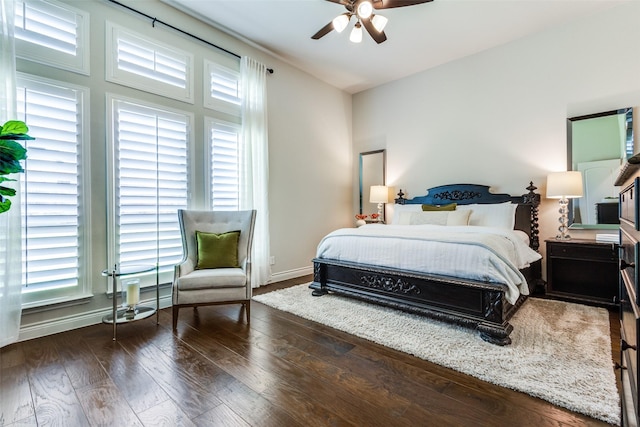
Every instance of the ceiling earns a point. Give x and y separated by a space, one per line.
419 37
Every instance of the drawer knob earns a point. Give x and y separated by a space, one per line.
626 346
624 264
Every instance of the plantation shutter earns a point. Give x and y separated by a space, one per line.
50 185
225 178
225 85
52 33
46 24
135 61
150 184
150 61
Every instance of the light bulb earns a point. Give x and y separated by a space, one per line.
356 33
379 22
340 22
365 9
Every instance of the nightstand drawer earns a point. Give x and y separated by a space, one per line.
583 271
593 252
628 202
629 333
629 250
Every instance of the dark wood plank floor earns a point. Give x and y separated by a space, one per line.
217 371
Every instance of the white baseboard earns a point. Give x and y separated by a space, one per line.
75 321
67 323
291 274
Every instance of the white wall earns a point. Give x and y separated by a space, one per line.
309 148
499 117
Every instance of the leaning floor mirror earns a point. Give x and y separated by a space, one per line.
598 145
372 171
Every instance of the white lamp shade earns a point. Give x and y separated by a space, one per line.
379 194
356 34
379 22
365 9
340 22
564 185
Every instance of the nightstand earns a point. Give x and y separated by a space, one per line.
583 271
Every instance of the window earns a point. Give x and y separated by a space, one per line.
54 257
52 33
224 155
142 64
149 163
223 84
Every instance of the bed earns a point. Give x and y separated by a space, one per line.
482 300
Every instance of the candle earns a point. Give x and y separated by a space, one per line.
133 293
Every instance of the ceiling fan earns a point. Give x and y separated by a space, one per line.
363 11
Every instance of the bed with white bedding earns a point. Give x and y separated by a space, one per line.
473 265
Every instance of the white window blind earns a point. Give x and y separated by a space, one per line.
52 33
150 153
134 61
54 264
223 84
224 168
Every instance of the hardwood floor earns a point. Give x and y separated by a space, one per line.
217 371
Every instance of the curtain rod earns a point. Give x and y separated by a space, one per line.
153 24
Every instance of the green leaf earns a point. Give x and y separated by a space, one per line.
5 205
4 178
14 127
11 153
6 191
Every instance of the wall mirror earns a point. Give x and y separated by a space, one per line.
373 171
598 145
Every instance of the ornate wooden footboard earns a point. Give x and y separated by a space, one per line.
470 303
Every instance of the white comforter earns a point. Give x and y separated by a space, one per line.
471 252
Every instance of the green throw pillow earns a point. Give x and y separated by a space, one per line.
217 250
449 207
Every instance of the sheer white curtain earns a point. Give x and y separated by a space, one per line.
254 163
10 228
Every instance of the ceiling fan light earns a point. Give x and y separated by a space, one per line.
379 22
356 33
365 9
340 22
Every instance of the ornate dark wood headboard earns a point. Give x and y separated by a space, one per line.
466 194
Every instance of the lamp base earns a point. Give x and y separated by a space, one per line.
563 220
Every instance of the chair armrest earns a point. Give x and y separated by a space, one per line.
184 268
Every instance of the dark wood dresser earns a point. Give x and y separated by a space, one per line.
583 271
629 311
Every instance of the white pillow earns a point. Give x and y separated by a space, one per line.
399 209
434 218
501 215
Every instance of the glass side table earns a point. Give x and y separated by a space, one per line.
130 310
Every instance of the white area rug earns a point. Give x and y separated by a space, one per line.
561 352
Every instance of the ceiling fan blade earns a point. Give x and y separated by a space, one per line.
342 2
323 31
378 36
388 4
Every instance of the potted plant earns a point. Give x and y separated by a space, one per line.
11 152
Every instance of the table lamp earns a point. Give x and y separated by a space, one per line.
379 194
563 186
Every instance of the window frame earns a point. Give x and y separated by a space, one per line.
217 103
78 63
114 74
209 123
83 289
146 279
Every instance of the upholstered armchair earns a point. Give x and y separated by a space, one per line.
216 267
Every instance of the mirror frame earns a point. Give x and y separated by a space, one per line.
362 178
570 121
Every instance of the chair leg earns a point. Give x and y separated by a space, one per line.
175 316
247 306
